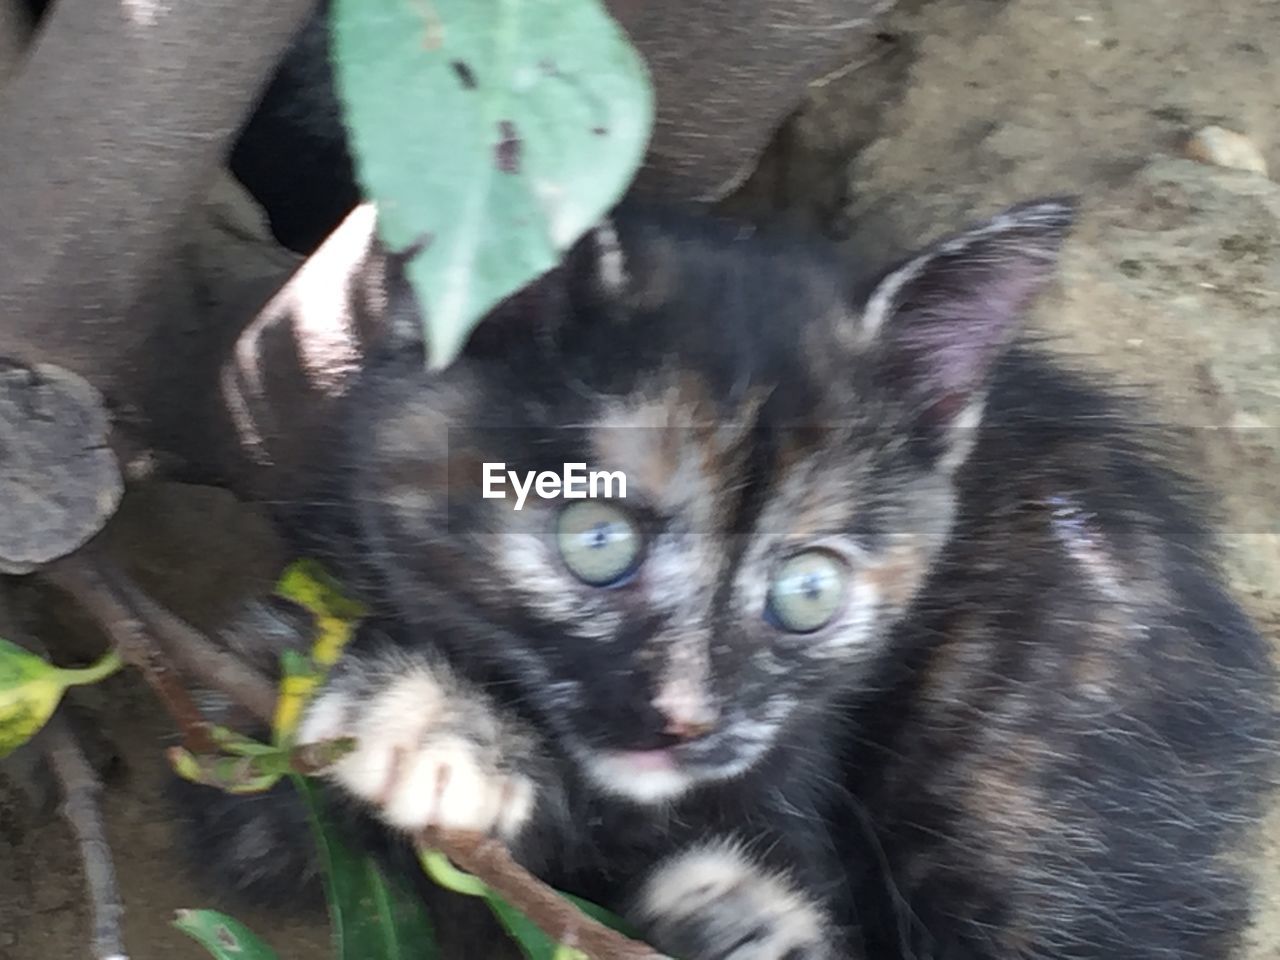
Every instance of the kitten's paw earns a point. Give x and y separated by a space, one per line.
715 903
427 754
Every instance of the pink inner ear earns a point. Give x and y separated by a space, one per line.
952 323
962 302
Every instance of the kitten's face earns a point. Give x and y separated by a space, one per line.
788 451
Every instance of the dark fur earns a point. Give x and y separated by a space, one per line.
1058 726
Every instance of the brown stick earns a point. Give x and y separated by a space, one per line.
82 577
488 860
81 807
197 655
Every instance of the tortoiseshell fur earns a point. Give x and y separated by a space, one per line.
1038 729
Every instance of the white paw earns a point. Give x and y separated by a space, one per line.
715 903
425 755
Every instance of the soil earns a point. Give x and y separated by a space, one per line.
1172 282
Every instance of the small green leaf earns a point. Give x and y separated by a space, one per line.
31 689
372 918
299 679
29 693
336 617
247 766
307 583
224 937
441 870
238 775
491 134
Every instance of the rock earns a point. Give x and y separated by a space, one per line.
60 482
726 74
1225 148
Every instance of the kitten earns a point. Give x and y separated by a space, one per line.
902 642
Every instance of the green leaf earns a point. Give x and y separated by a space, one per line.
534 942
307 583
491 134
300 677
335 615
31 689
529 937
442 871
372 918
238 775
247 766
224 937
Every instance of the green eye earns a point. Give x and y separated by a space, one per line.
598 541
807 591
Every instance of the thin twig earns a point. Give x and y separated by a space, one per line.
81 808
488 860
84 578
197 655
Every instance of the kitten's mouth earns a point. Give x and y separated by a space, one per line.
650 776
659 775
646 761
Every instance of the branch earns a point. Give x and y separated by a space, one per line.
198 656
727 73
119 118
92 585
489 861
81 808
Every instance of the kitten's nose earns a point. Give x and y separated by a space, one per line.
685 717
688 729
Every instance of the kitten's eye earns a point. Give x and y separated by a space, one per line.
599 542
807 591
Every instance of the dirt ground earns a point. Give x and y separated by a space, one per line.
1172 281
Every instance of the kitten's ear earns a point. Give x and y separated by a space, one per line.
634 259
597 267
937 323
591 272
